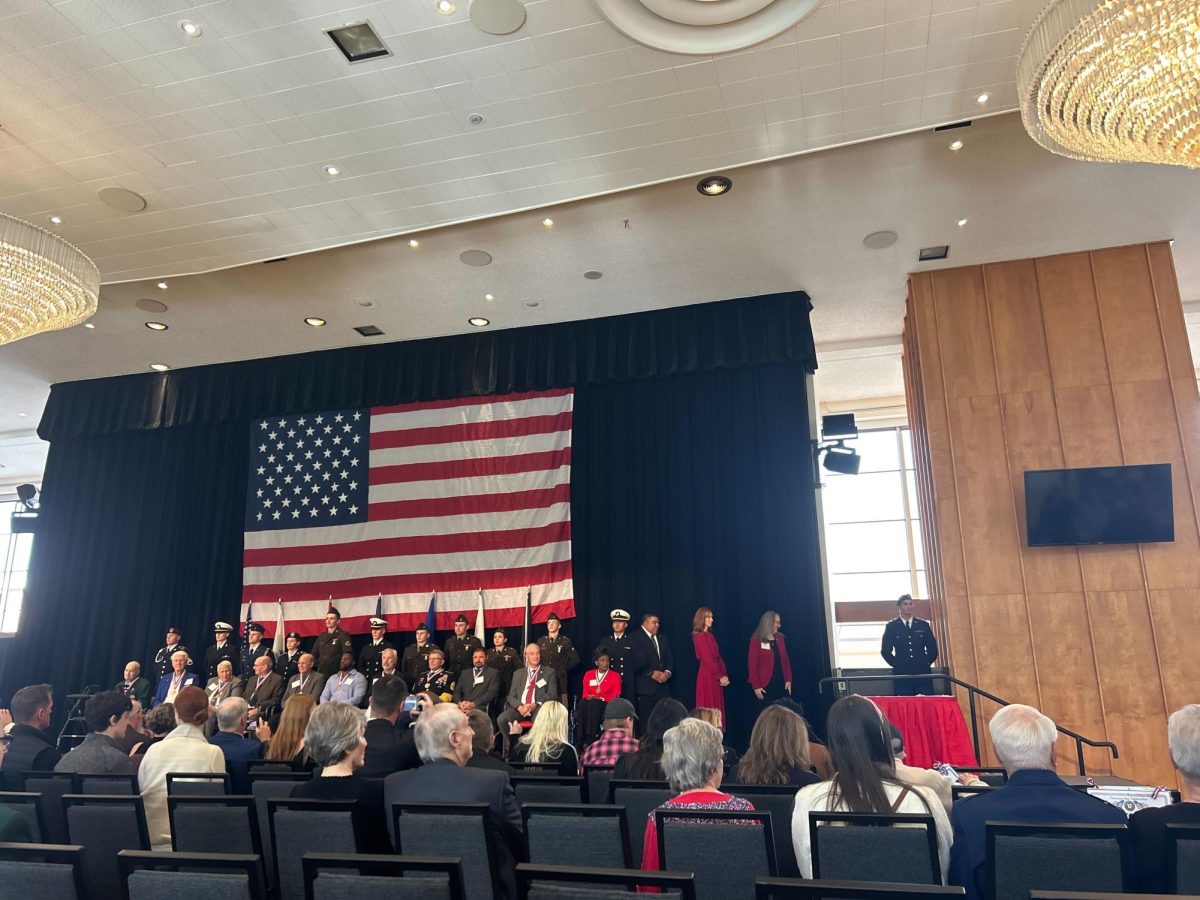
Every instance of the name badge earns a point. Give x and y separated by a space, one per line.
479 679
765 645
296 683
595 682
541 682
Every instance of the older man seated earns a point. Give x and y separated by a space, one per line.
134 686
107 716
1149 826
1024 739
176 679
239 751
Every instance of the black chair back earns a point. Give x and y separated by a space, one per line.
44 870
780 802
29 805
307 826
104 825
535 882
549 789
1094 895
725 849
533 768
423 829
963 791
163 876
1183 859
996 776
51 786
87 783
809 889
901 847
1027 856
197 784
597 778
639 798
263 787
331 876
225 824
585 834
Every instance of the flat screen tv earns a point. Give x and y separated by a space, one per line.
1107 505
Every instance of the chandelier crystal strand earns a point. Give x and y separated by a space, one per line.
45 283
1114 80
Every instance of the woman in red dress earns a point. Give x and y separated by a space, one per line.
711 677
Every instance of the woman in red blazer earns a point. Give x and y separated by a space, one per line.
601 686
768 664
711 676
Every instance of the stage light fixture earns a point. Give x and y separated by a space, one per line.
840 426
842 460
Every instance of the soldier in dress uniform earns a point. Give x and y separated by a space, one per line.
460 647
329 646
558 653
910 648
619 647
437 680
370 658
223 648
254 648
162 659
288 663
503 659
415 662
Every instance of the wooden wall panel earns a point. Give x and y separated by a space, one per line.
1129 315
1018 340
1071 320
964 335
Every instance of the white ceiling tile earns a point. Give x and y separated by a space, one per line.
746 92
900 10
828 126
820 52
868 42
776 87
741 117
857 120
906 88
902 113
904 62
856 14
907 34
786 109
995 45
741 66
824 21
940 107
999 16
952 26
822 78
696 76
954 53
945 81
822 104
861 71
787 135
861 95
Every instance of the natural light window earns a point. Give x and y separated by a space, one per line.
14 566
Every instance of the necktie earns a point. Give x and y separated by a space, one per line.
654 638
530 685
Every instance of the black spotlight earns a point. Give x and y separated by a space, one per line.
842 460
714 185
27 494
839 427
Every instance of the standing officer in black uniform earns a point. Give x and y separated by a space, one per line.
288 663
370 658
619 647
910 648
460 648
224 648
253 649
503 659
162 659
329 646
559 654
416 656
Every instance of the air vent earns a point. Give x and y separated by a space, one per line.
953 125
358 42
931 253
369 330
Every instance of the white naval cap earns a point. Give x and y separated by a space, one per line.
619 615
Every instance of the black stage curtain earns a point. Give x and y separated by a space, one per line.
691 486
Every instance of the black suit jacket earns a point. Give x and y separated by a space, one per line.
909 650
481 694
268 697
646 660
388 750
442 781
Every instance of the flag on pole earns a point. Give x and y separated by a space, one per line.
480 632
525 638
379 607
280 644
249 619
431 616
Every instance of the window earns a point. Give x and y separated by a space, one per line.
872 540
14 566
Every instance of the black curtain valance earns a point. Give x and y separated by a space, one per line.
705 337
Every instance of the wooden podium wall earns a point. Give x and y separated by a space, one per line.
1063 361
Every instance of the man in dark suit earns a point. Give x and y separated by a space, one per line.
388 750
478 685
134 686
652 663
263 690
239 751
444 742
910 648
1024 740
305 681
531 687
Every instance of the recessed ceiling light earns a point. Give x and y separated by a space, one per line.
88 325
983 98
314 321
962 223
157 326
549 223
190 28
56 220
159 367
332 170
533 304
162 285
22 415
446 7
474 119
488 297
478 321
358 42
714 185
593 275
956 145
414 243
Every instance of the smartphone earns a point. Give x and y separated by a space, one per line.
252 725
947 770
410 703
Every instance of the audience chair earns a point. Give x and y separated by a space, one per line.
725 849
263 787
807 889
331 876
996 776
963 791
1027 856
866 847
586 834
160 876
51 786
597 778
226 824
104 825
639 798
779 801
105 784
193 784
1183 859
29 805
571 883
256 766
549 789
44 870
1093 895
307 826
426 829
532 768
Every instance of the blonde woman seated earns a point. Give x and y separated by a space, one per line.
547 742
864 780
778 752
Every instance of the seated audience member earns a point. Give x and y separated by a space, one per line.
30 749
263 691
306 680
936 781
601 686
444 741
287 741
864 780
159 722
107 717
220 687
714 718
1149 826
135 729
347 685
183 749
389 662
176 679
817 754
334 738
437 680
388 750
134 686
238 750
1023 739
482 756
547 741
645 762
778 752
531 686
617 738
692 760
478 686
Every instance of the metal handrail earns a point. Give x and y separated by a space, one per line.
972 690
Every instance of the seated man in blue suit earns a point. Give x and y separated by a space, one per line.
238 749
1024 740
176 679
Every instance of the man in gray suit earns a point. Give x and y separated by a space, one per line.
531 687
220 688
443 740
478 684
305 681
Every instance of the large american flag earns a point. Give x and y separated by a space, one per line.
446 498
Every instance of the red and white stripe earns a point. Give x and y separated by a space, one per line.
464 495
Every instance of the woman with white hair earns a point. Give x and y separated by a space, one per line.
693 755
546 741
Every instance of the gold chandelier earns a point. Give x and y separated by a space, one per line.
45 283
1114 80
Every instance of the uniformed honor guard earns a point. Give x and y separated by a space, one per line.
558 653
503 659
162 659
460 647
329 646
910 648
437 680
619 647
415 661
288 663
254 648
370 658
223 648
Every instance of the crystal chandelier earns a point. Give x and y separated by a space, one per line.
1114 80
45 283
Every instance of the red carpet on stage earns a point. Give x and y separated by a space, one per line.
933 729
